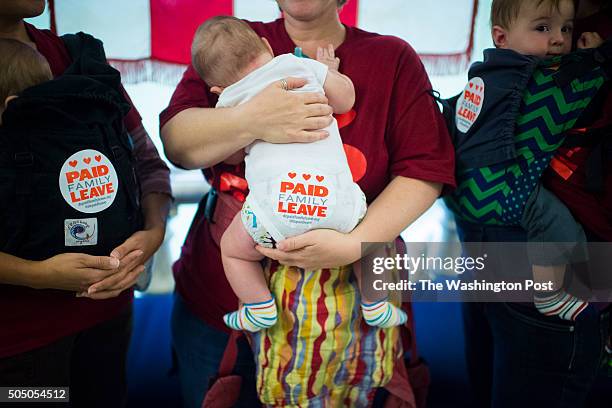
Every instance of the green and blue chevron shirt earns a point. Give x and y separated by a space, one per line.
496 193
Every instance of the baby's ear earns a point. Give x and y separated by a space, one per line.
265 40
216 89
8 99
499 35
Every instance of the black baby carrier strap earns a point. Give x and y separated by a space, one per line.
67 177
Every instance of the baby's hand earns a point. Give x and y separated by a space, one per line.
589 40
327 57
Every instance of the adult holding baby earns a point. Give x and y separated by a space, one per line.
400 155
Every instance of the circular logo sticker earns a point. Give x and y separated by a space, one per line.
304 198
469 104
88 181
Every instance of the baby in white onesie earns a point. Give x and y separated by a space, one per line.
293 187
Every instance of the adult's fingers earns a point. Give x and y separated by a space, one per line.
293 83
319 109
313 97
106 263
295 243
307 136
284 258
131 244
127 264
132 260
128 281
316 123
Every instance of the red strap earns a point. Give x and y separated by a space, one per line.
235 185
227 181
230 354
52 22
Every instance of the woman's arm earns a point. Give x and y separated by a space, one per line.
420 157
70 271
198 138
102 276
136 250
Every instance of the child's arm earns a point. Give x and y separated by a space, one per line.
338 88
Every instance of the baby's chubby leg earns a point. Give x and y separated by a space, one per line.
241 262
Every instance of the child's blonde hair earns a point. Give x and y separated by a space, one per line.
222 48
505 12
21 67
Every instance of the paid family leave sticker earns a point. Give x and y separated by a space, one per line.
304 198
469 104
80 232
88 181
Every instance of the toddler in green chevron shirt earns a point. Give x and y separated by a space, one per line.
543 29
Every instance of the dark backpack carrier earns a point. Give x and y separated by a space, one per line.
43 131
599 140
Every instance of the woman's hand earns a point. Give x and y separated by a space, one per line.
136 250
322 248
73 272
278 116
589 40
132 255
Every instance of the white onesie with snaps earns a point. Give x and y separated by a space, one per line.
296 187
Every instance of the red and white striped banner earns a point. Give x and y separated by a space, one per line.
150 39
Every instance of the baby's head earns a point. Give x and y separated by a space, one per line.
542 28
225 49
21 67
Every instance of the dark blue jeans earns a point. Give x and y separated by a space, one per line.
518 357
198 348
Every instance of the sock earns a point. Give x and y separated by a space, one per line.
559 303
383 314
253 316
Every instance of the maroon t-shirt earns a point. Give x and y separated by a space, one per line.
397 129
31 318
592 210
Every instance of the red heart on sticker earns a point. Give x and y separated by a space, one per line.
98 158
320 178
306 176
471 85
73 163
291 175
87 160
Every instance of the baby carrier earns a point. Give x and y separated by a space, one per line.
496 150
482 141
67 177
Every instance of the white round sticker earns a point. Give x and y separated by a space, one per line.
469 104
88 181
304 198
